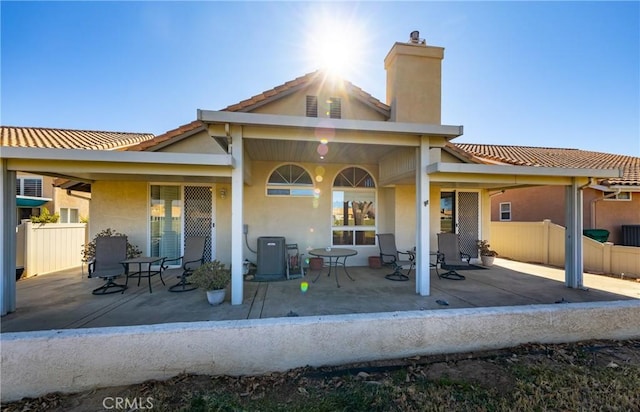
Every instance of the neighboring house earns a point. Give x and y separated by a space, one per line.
35 192
608 203
316 160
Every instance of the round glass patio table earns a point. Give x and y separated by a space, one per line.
334 255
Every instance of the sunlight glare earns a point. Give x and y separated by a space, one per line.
337 46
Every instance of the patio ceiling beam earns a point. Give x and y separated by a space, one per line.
496 181
17 154
511 170
338 136
281 121
88 171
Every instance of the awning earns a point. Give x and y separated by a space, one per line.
30 201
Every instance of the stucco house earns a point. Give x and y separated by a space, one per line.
608 204
316 160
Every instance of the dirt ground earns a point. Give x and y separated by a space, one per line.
490 370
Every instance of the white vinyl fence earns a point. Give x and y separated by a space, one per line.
543 242
49 247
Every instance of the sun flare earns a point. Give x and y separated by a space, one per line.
337 47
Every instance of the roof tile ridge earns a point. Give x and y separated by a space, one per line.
63 129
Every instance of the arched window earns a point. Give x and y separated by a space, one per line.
353 208
290 180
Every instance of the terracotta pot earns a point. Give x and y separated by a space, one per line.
375 262
316 263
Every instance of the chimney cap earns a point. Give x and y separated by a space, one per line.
414 38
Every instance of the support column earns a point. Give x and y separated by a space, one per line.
573 264
8 239
237 211
423 284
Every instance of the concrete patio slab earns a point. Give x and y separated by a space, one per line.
63 300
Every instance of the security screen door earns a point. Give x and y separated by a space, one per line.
468 222
460 213
198 215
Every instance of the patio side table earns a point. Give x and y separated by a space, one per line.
140 273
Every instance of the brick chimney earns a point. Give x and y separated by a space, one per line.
414 81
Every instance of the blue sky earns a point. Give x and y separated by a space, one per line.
555 74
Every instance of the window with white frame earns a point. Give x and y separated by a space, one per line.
69 215
29 186
625 196
290 180
353 208
505 211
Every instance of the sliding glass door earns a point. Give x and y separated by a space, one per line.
177 212
166 221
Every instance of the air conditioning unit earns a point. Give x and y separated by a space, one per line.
272 263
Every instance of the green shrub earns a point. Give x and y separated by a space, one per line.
89 250
45 217
211 276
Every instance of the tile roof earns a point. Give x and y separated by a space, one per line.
300 82
557 157
42 137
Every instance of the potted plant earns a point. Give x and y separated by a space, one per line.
486 254
214 278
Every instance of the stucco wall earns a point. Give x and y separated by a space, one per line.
197 143
36 363
77 200
222 221
295 104
302 220
123 207
405 217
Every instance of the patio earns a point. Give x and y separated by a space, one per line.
63 300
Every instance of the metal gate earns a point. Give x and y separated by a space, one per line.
468 213
198 216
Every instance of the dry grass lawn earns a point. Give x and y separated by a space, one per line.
585 376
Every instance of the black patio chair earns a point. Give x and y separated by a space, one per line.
450 257
390 256
192 259
110 252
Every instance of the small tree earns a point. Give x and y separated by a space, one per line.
45 217
89 250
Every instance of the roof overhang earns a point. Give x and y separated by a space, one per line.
282 121
510 176
90 165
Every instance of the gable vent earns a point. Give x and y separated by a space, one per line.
335 108
312 106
